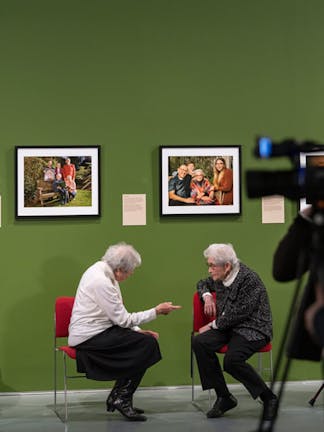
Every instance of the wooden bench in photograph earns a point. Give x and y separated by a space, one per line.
45 193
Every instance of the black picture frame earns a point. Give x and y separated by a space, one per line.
40 194
203 157
307 160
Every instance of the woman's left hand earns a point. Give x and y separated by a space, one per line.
150 333
204 328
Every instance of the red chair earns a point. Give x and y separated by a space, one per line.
62 316
199 320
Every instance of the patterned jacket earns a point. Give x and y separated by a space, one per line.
242 307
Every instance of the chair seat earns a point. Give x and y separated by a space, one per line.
69 351
265 348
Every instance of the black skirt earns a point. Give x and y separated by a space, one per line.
117 353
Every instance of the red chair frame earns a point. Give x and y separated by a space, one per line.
62 317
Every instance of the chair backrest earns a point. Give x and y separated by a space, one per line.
63 311
199 317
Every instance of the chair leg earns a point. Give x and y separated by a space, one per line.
192 371
65 388
192 366
260 363
55 378
192 380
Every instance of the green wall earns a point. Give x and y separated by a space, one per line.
131 76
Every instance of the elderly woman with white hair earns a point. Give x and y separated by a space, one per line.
201 189
109 342
243 322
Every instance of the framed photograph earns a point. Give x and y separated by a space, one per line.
200 180
308 160
57 181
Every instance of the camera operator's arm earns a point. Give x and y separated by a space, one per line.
292 255
314 316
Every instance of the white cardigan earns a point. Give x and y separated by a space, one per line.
99 305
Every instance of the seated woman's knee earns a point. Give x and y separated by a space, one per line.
149 340
231 360
196 341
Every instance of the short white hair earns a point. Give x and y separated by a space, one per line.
122 256
221 253
198 172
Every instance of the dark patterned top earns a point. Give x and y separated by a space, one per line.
243 306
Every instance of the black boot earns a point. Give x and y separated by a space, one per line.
123 399
113 395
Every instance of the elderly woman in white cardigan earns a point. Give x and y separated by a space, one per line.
109 343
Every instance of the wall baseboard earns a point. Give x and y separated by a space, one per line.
289 384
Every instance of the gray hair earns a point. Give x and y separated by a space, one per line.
197 172
221 253
122 256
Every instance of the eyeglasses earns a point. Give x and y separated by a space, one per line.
125 272
211 265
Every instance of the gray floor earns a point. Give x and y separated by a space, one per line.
167 409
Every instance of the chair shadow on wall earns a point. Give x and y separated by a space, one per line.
28 347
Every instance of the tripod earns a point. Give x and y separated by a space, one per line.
312 401
312 258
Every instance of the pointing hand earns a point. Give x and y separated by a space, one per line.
165 308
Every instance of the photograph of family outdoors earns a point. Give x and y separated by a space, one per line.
195 180
55 180
52 181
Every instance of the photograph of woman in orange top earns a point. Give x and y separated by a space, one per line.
223 182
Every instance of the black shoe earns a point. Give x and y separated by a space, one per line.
222 405
270 408
111 408
122 399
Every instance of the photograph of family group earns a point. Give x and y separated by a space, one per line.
57 181
200 180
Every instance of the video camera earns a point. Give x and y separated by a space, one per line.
294 184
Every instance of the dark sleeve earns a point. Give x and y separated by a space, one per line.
171 185
205 286
319 326
291 258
